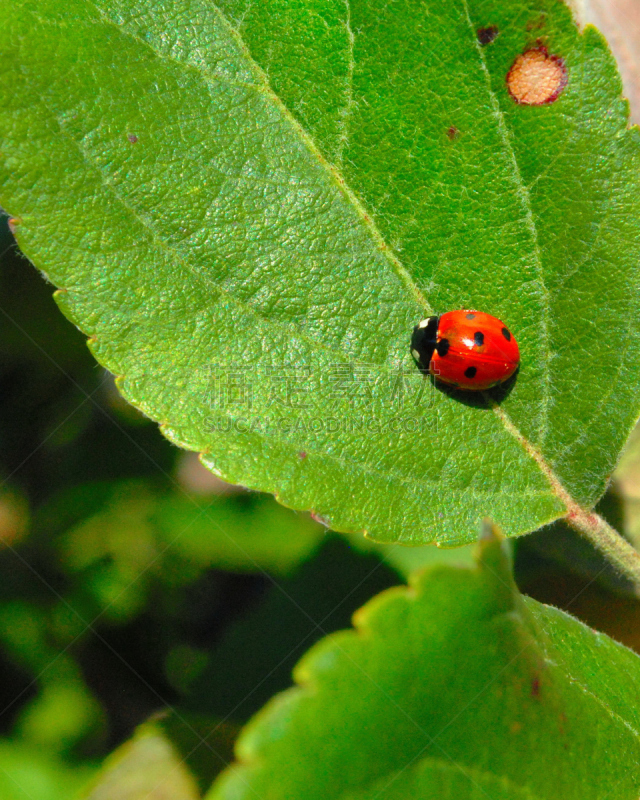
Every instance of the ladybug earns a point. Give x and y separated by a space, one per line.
466 349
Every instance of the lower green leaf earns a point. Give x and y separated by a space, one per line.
454 687
440 780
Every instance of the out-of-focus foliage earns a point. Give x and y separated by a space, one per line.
27 772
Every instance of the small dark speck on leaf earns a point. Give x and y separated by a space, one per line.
453 133
488 34
132 138
535 687
302 455
536 24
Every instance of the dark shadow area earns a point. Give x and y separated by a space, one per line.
254 659
474 399
557 566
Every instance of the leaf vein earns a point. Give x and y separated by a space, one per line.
522 192
347 111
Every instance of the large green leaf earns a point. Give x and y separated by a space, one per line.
269 196
456 687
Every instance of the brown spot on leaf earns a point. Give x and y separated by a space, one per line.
132 138
535 687
453 133
302 455
536 78
13 223
488 34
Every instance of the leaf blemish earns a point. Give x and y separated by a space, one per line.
536 78
302 455
538 23
13 223
132 138
488 34
535 687
453 133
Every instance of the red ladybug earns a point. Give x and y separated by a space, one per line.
467 349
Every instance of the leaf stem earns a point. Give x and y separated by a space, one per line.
616 549
606 539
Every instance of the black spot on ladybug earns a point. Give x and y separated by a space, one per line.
443 347
470 372
506 334
488 34
471 316
478 338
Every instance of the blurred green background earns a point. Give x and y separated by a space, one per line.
135 585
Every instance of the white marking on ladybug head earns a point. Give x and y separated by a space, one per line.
423 323
416 355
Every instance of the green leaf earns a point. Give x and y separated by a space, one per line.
248 216
454 687
145 767
433 780
28 772
240 534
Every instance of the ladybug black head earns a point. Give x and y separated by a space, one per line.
423 341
